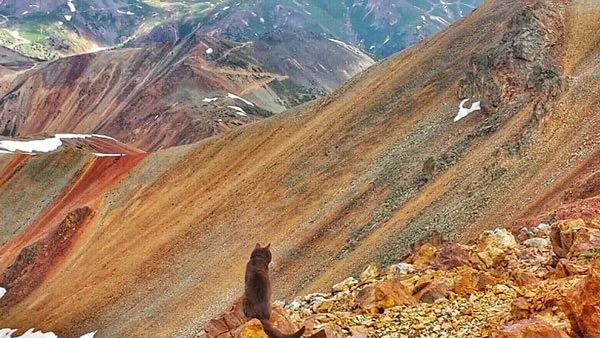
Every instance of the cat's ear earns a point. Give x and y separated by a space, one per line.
268 246
257 246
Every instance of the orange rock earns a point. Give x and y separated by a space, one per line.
233 323
437 289
384 294
562 236
531 328
252 329
469 280
326 333
451 256
525 278
424 255
494 248
583 304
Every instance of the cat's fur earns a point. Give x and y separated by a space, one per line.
257 293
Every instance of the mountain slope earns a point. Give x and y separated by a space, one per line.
359 176
157 97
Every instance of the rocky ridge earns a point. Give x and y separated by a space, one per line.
530 283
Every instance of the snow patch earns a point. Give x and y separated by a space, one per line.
238 110
463 112
210 99
2 290
71 6
232 96
68 17
108 155
31 333
44 145
209 51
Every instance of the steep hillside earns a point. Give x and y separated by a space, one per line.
174 94
491 122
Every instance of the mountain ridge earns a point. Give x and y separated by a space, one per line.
356 177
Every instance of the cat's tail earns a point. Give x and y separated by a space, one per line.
272 332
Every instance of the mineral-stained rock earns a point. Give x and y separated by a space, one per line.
531 328
326 333
384 295
251 329
369 273
583 304
451 256
424 255
562 236
470 280
439 288
344 285
494 248
233 323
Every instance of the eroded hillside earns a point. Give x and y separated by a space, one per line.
158 97
357 177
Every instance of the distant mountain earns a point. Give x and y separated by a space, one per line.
50 29
173 94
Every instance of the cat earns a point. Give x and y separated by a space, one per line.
257 294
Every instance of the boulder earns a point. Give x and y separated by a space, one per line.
233 323
451 256
562 236
251 329
384 294
494 248
326 332
424 255
582 305
531 328
370 273
470 280
438 288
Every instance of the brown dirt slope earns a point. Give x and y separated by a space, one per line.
356 177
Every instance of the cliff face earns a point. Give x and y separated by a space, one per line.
359 176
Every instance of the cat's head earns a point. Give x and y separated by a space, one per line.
264 253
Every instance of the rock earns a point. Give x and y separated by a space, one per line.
424 255
562 236
532 328
582 305
251 329
494 248
370 273
345 285
326 332
469 281
566 268
538 243
233 323
384 295
439 288
525 278
226 323
520 308
402 269
451 256
586 244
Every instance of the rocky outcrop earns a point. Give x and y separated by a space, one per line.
583 304
530 329
525 60
234 323
36 260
